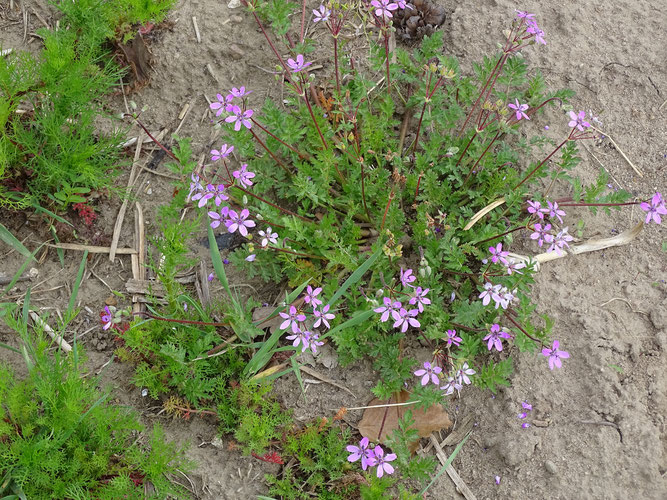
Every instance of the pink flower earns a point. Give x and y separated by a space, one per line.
323 316
420 298
362 452
222 104
381 461
219 218
321 14
542 234
223 153
553 211
240 92
251 257
269 237
300 337
292 319
654 209
388 308
383 8
578 120
451 384
238 221
239 117
453 339
298 64
107 318
311 296
520 109
497 254
244 177
407 277
495 337
534 207
463 373
560 241
555 355
406 318
429 373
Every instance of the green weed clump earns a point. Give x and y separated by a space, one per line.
52 151
61 437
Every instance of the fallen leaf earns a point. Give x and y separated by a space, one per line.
386 418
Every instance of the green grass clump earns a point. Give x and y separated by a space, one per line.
60 437
51 149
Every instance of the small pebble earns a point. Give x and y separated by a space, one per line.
551 467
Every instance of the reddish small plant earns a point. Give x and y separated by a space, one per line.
271 457
86 212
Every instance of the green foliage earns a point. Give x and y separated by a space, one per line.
252 415
52 152
321 460
60 437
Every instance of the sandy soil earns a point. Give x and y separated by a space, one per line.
598 425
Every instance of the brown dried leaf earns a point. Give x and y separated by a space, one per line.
261 313
426 422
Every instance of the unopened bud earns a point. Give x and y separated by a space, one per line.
245 200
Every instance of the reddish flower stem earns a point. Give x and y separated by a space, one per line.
504 234
275 158
467 146
498 66
522 330
419 179
335 39
303 156
272 204
182 321
532 172
481 156
171 155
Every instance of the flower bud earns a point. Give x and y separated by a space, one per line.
245 200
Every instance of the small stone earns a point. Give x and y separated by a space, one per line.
236 19
111 300
551 467
235 52
234 4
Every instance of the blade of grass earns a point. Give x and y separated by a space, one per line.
446 464
350 323
59 251
10 239
355 276
297 372
51 214
77 284
218 266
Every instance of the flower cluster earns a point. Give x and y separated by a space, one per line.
531 26
403 317
526 407
461 377
501 295
542 230
371 457
295 320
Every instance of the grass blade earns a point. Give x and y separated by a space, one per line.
355 276
297 372
59 251
10 239
218 266
447 464
77 284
